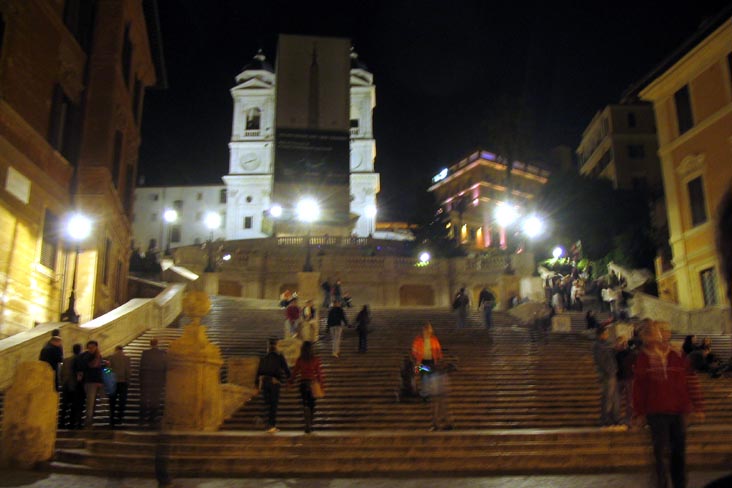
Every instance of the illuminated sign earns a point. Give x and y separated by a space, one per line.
440 176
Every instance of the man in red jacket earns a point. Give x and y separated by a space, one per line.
665 393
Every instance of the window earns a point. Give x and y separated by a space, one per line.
79 19
2 33
178 205
117 158
636 151
683 109
175 233
222 196
631 120
249 199
696 201
729 63
105 261
154 197
129 190
709 286
199 196
49 244
136 99
127 56
247 222
254 118
60 107
120 291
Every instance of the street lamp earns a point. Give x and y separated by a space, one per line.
557 252
78 228
533 226
170 216
424 258
213 222
506 215
308 211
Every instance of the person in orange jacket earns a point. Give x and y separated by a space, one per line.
426 348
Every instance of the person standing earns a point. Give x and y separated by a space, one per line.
309 324
460 304
272 371
153 367
666 393
326 293
292 319
338 291
607 371
363 319
336 321
53 354
310 370
90 374
487 300
120 364
427 353
72 392
625 357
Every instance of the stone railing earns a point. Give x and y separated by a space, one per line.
709 320
118 327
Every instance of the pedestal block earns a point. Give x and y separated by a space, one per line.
210 283
193 398
308 287
561 323
30 416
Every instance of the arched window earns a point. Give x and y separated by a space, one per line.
254 119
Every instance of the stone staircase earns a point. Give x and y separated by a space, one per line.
518 406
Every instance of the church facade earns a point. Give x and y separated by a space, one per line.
245 198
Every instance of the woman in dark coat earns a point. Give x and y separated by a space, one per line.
310 371
363 319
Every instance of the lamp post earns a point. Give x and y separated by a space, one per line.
170 216
78 228
213 222
308 212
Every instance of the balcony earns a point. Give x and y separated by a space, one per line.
354 131
252 133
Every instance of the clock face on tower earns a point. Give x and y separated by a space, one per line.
249 162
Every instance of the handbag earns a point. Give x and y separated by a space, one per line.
316 389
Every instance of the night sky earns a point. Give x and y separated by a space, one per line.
444 71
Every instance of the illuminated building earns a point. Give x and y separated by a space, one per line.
691 92
247 193
472 189
72 81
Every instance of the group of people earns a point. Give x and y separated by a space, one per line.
565 292
333 292
81 378
660 389
702 358
486 303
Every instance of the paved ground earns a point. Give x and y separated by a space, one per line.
38 480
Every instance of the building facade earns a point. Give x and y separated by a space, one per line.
72 81
691 94
247 192
472 189
620 144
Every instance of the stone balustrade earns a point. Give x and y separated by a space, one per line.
119 326
709 320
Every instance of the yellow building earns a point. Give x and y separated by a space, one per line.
691 94
471 189
72 80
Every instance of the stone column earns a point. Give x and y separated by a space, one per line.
193 399
30 416
308 287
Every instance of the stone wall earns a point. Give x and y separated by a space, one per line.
378 280
117 327
709 320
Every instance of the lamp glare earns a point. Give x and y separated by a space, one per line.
308 210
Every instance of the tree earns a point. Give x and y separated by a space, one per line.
612 224
432 231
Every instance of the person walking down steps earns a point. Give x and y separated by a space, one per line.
271 373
